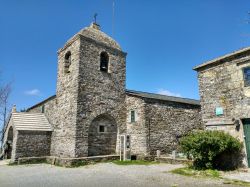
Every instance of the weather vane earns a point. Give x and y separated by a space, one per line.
95 15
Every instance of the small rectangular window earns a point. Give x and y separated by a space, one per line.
246 72
132 116
128 141
43 109
101 128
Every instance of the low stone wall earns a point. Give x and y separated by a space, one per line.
67 162
170 160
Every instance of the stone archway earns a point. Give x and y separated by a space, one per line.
102 136
9 143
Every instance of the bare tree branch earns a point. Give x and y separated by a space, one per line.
4 108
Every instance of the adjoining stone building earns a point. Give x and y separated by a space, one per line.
92 108
224 86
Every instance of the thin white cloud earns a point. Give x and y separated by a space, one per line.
169 93
33 92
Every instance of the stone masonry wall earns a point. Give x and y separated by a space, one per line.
99 93
102 143
159 124
64 134
51 113
32 144
137 130
222 86
167 122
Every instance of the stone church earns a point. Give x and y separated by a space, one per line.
92 109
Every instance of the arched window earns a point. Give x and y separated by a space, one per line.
67 62
104 61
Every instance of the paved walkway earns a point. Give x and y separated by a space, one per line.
103 175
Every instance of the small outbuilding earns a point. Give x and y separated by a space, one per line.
29 134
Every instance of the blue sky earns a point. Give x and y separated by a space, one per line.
164 40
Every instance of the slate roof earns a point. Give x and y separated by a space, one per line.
163 97
210 62
99 36
94 33
30 121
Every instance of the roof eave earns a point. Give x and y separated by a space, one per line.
219 59
175 99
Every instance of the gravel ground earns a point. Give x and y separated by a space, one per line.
103 175
243 176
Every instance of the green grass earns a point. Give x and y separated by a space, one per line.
80 163
12 164
134 162
174 185
209 173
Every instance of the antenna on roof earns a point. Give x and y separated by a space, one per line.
95 15
113 18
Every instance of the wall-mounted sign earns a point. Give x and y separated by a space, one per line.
219 111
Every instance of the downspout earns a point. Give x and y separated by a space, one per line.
149 135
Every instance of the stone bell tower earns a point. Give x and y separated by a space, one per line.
90 95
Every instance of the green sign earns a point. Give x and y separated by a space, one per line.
219 111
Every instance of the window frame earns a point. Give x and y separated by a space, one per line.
99 128
132 116
246 81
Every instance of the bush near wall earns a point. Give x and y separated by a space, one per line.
212 150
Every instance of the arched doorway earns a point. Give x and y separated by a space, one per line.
8 144
102 136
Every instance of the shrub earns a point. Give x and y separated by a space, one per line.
212 150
